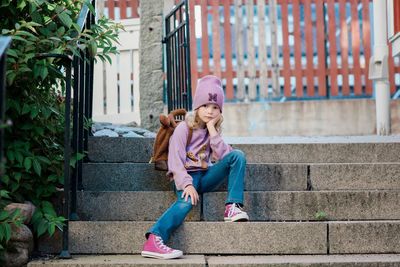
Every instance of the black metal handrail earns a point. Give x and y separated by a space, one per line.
179 93
5 42
80 69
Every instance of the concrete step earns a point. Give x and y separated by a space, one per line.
369 260
202 238
120 260
308 205
127 206
355 149
384 260
363 237
143 177
259 177
260 205
355 176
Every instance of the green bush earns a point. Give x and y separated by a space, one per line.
35 99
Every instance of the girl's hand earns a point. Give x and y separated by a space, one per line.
214 121
191 192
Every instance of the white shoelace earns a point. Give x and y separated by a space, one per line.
232 209
161 244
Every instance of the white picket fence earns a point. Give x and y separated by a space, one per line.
116 85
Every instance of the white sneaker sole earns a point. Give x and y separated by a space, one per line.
237 218
168 256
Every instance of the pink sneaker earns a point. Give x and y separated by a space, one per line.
233 213
154 248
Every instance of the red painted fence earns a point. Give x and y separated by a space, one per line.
322 47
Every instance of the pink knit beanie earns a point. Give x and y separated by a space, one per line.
209 90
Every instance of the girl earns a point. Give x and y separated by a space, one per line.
191 168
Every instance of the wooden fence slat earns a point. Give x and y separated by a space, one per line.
98 88
228 51
273 18
309 47
135 93
239 28
193 46
297 47
112 89
286 48
122 9
366 27
344 44
332 49
216 38
251 57
125 72
134 8
321 48
355 43
205 53
111 9
262 50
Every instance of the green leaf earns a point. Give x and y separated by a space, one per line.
7 230
21 4
26 109
4 194
19 157
2 231
10 155
65 19
18 176
12 52
3 215
37 167
42 227
5 179
52 178
34 112
51 229
44 159
27 164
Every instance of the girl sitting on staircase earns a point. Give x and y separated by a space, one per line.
191 168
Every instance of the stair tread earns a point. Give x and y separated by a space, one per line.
235 260
224 260
125 260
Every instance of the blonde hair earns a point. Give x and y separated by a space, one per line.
193 120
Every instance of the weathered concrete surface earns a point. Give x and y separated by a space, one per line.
143 177
306 118
271 177
248 238
120 261
293 206
355 176
364 237
124 176
119 149
127 206
151 82
367 149
378 260
321 153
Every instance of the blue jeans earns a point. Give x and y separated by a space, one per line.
232 165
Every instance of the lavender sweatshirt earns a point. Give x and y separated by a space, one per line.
195 156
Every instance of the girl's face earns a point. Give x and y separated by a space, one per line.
208 112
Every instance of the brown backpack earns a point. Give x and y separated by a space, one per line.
161 143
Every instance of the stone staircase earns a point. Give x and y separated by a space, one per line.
327 201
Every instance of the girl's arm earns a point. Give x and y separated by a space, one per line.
217 144
177 157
